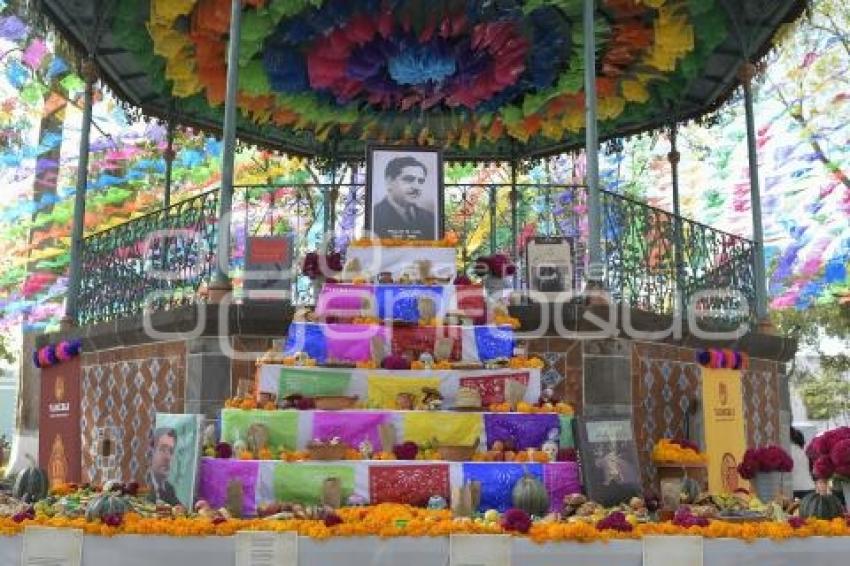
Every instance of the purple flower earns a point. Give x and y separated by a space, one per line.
616 521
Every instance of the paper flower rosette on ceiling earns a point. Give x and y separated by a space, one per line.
455 71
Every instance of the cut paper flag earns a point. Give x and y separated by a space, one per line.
295 381
497 481
304 482
351 427
447 429
383 392
34 53
282 427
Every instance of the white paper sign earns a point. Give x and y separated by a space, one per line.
257 548
667 550
45 546
480 550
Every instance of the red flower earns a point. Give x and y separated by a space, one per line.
332 519
394 361
840 453
462 279
747 469
223 450
516 520
314 265
796 522
406 451
112 520
823 468
616 521
764 459
498 265
567 455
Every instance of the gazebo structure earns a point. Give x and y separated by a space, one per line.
483 80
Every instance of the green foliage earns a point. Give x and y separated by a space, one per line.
826 396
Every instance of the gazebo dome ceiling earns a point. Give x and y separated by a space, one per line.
484 79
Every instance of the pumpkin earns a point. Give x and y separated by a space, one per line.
821 504
530 495
31 483
690 490
105 504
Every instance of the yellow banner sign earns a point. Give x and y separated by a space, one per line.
723 415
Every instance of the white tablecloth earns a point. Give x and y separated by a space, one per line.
372 551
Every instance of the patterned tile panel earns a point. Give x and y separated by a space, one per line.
664 386
123 389
761 403
563 367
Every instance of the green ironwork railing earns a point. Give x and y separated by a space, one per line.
160 260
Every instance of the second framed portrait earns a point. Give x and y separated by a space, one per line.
404 193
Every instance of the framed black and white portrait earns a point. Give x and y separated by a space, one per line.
404 193
550 264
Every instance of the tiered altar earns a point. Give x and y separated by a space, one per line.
424 405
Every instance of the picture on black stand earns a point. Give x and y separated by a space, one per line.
609 460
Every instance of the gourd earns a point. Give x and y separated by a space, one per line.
690 490
530 495
821 504
31 483
105 504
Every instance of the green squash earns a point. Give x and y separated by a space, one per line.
105 504
530 495
31 483
821 506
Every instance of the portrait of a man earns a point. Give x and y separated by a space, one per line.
405 194
164 444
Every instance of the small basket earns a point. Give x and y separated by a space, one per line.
335 402
327 452
455 453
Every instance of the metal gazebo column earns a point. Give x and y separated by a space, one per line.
746 76
594 208
75 271
222 278
673 157
169 163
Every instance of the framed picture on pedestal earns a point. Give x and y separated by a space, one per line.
609 460
404 193
549 265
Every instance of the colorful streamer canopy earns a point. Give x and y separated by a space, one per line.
481 79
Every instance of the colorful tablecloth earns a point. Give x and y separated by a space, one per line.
411 482
293 430
282 380
352 342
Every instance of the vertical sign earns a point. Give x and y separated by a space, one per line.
255 548
59 442
725 441
46 546
268 266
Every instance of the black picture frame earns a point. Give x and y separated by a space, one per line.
610 467
372 154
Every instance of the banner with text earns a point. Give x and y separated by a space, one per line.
725 439
59 442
